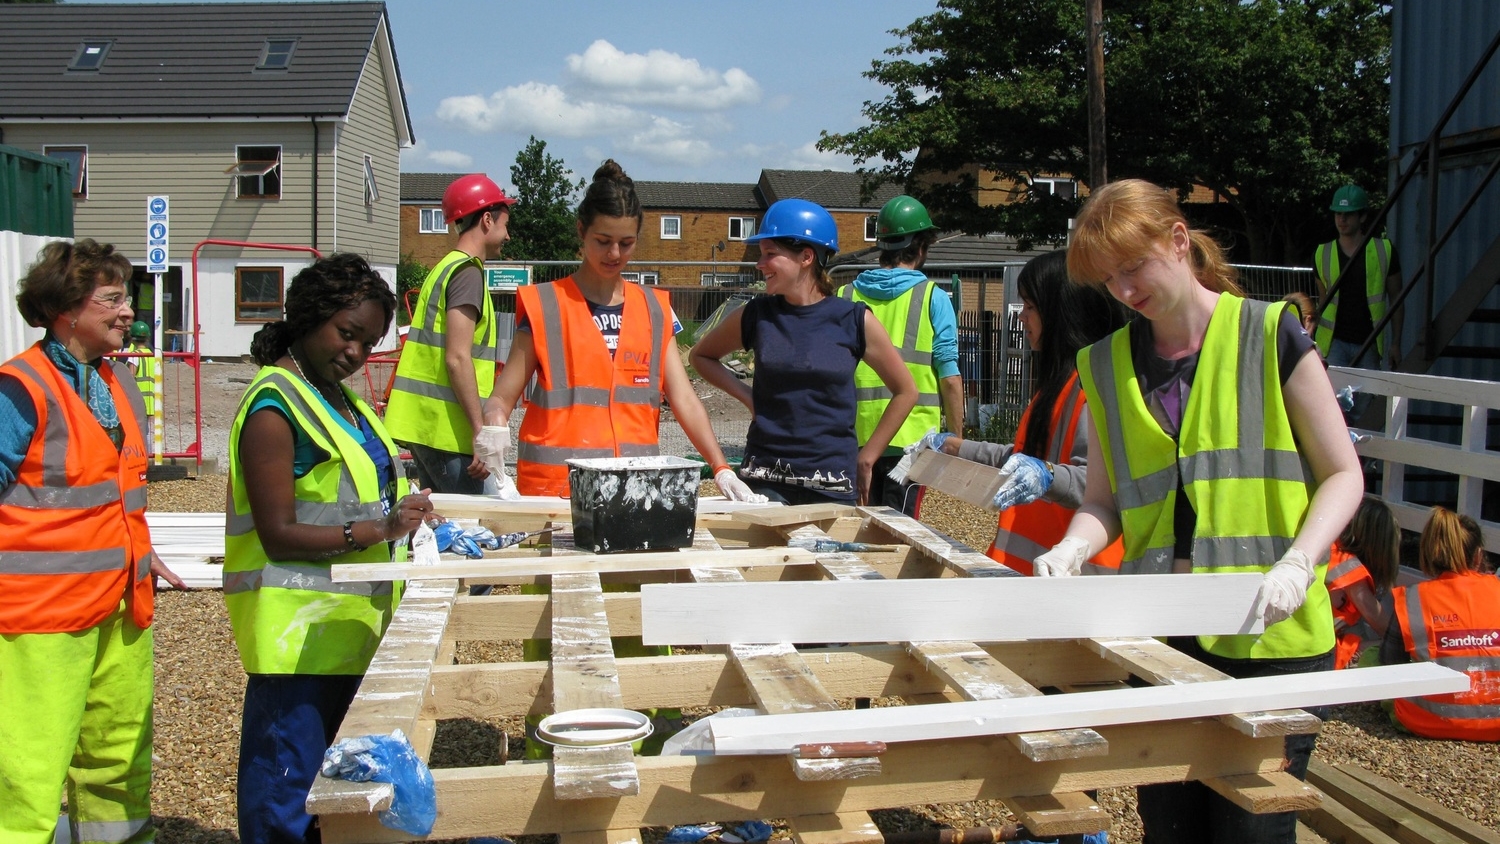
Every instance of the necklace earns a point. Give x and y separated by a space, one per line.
353 416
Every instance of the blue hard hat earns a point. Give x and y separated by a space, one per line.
799 220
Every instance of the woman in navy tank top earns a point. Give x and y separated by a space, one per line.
801 446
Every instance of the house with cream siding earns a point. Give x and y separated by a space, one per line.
267 123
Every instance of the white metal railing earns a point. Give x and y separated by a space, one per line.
1471 460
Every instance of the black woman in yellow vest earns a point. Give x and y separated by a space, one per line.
314 480
1217 446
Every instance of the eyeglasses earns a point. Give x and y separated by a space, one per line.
112 302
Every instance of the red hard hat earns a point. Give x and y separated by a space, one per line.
474 192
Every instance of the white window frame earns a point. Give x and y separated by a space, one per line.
372 189
80 178
671 227
425 224
746 226
258 168
1051 184
872 225
648 278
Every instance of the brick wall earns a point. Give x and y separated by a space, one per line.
702 230
425 248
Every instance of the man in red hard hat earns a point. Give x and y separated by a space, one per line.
448 364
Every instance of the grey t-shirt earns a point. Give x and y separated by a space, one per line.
466 287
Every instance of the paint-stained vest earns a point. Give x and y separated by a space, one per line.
289 617
583 403
1235 457
1454 621
73 535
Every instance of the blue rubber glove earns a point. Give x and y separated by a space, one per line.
388 759
1029 480
1345 396
934 441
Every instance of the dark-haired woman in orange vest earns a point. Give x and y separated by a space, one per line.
1049 458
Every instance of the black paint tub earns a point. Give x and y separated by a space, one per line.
633 503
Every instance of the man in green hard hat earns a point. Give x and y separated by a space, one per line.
1371 280
918 315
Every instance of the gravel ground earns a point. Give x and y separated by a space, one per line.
199 687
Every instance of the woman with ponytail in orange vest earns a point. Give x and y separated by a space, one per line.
1049 459
76 567
603 353
1453 620
1361 571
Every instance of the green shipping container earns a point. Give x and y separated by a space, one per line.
36 194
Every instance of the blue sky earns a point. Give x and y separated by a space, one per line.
673 90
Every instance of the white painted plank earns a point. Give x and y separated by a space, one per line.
576 564
964 609
454 505
770 734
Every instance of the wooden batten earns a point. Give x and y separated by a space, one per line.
975 483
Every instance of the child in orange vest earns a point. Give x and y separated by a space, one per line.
1361 572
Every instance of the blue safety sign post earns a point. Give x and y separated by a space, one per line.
157 253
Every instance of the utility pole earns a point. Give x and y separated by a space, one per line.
1094 12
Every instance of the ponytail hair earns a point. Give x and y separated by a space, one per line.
1124 220
610 194
1450 543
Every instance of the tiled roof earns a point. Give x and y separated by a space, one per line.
188 61
425 187
727 196
833 189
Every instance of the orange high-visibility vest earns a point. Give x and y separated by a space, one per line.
582 404
1027 531
73 536
1454 620
1345 570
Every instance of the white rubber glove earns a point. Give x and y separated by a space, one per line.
734 489
1064 560
490 446
1284 587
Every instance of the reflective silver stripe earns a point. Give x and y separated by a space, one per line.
569 397
1382 261
1138 492
884 394
238 524
914 307
1101 365
407 384
111 832
556 353
1457 711
135 499
427 337
335 514
639 449
1417 621
1222 552
55 435
560 455
1240 463
62 562
915 357
649 396
143 567
64 497
1343 568
1470 664
1070 405
302 576
134 397
1017 545
1152 561
658 329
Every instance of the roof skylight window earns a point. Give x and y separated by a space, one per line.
90 55
278 54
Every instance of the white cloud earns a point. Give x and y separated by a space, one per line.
660 78
418 154
809 157
669 142
542 110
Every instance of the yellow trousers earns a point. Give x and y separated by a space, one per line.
75 713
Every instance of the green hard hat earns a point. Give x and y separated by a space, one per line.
140 329
899 220
1349 198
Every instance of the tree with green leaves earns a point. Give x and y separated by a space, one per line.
542 222
1271 104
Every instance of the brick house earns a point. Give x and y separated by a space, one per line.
425 236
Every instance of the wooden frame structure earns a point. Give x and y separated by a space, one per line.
604 795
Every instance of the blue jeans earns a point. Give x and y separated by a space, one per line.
445 471
289 720
1191 812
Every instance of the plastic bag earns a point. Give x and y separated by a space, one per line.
453 537
388 759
